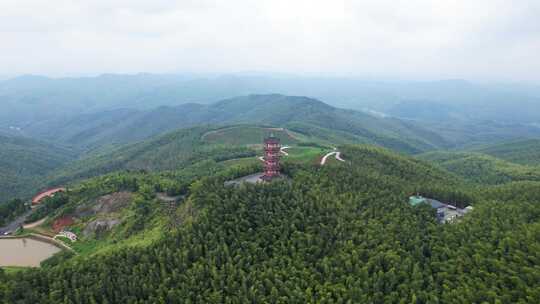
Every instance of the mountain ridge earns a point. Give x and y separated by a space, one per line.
129 125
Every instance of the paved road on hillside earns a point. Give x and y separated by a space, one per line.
11 227
337 155
261 158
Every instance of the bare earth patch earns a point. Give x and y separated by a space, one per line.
106 204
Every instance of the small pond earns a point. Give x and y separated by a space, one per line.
25 252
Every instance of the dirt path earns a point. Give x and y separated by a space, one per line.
35 224
164 197
337 155
261 158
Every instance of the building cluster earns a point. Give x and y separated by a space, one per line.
446 213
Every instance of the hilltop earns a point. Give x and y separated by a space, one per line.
317 236
130 139
29 98
524 152
302 114
482 168
149 206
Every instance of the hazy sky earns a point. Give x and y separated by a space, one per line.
416 39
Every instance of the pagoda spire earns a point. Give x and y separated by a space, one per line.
272 152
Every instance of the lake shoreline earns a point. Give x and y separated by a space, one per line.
27 251
40 238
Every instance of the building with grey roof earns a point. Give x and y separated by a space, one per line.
446 213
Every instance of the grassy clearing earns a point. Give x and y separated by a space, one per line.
246 135
65 240
305 154
239 162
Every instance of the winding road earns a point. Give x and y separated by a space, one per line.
337 155
282 150
35 224
15 224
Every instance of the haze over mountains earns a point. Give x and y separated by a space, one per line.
99 128
95 113
92 111
370 152
28 99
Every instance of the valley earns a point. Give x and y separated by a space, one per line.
86 145
121 216
305 152
159 201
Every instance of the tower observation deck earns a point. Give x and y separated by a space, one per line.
272 150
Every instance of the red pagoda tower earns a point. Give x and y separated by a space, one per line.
272 150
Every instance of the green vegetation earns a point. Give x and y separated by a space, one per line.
524 152
334 234
11 209
483 169
108 141
125 208
307 154
157 225
189 146
23 162
48 205
11 269
305 115
168 152
326 124
247 135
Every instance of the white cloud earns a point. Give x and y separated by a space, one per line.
481 39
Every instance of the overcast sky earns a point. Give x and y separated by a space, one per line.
414 39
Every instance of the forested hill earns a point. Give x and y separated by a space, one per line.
482 168
168 152
298 113
23 162
28 98
187 146
334 234
525 152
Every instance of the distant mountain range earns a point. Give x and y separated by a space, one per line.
481 168
126 125
524 152
112 139
306 115
28 99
